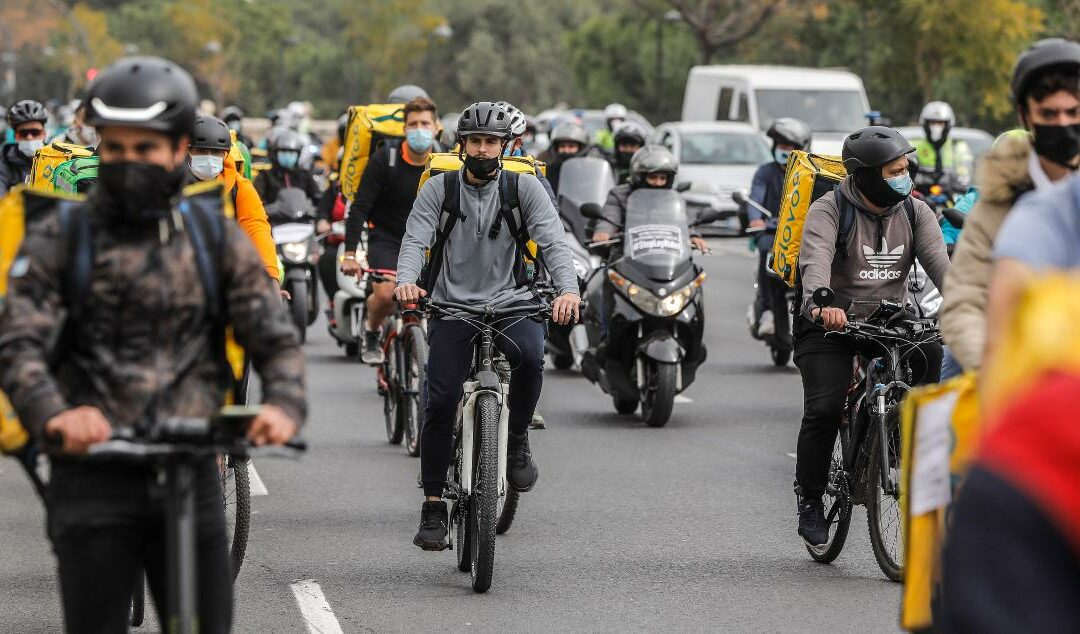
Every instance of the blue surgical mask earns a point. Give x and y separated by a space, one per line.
900 184
781 156
514 152
206 167
288 159
419 139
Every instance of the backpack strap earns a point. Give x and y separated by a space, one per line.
392 150
206 231
76 231
510 213
449 215
909 207
847 221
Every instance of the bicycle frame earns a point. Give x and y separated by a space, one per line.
484 380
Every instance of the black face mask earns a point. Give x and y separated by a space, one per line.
622 159
140 193
869 182
1057 143
483 169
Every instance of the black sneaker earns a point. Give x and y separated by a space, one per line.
432 532
373 352
521 470
812 525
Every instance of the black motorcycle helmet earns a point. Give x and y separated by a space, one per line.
484 117
211 133
1037 59
789 131
143 92
26 111
232 113
629 132
865 152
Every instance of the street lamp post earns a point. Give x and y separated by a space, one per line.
670 16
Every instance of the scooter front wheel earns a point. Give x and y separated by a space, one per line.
658 397
298 308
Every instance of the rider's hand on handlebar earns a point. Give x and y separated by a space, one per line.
601 236
757 223
832 318
322 226
80 427
409 293
700 244
564 310
351 268
272 427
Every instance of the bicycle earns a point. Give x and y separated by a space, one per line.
402 375
478 487
865 465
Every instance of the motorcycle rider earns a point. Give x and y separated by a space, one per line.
144 350
940 155
79 133
479 269
1045 90
568 140
208 159
615 115
869 266
27 120
233 117
383 202
769 314
629 138
285 171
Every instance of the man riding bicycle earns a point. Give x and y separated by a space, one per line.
477 264
888 230
27 119
140 345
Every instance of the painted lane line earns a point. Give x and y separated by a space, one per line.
318 616
679 398
256 483
791 455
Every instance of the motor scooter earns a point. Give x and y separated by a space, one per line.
292 221
348 302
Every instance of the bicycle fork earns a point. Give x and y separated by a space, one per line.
179 475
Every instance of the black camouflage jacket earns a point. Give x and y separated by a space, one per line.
144 348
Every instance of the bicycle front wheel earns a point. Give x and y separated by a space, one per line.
484 497
236 496
414 387
883 501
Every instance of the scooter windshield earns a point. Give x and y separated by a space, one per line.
656 238
585 179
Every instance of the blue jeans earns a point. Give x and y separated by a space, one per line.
950 367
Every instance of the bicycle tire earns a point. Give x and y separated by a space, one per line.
507 510
830 550
484 497
459 516
138 601
391 412
242 515
890 563
414 394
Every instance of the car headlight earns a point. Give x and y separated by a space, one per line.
295 252
649 302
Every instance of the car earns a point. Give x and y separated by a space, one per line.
716 158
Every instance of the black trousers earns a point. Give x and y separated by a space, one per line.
826 366
771 292
328 268
107 523
450 348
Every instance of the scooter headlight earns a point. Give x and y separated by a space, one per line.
295 252
650 303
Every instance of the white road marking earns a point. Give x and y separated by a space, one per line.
679 398
791 455
318 616
256 483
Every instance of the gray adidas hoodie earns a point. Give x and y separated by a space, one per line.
476 269
879 249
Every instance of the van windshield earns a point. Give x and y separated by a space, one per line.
823 110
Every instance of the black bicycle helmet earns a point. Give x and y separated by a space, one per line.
287 141
873 146
143 92
790 131
485 117
629 132
231 113
1040 56
210 133
406 93
26 111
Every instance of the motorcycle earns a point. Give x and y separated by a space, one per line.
779 350
346 327
583 181
292 220
645 314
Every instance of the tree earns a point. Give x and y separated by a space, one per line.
720 24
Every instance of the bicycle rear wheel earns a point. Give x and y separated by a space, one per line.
414 387
883 508
392 375
484 497
236 496
837 505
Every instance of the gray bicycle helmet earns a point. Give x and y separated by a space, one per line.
26 111
631 132
143 92
652 159
484 117
873 147
790 131
1040 56
569 131
210 133
406 93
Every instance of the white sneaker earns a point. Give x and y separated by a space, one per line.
766 325
751 322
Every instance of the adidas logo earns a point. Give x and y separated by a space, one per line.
881 261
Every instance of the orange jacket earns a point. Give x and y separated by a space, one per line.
251 216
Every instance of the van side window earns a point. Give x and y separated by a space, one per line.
723 105
744 109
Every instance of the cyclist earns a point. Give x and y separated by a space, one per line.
869 264
27 120
233 117
769 314
1045 90
938 154
285 171
615 114
629 138
386 195
208 159
143 350
519 126
478 267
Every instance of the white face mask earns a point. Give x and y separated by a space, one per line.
29 148
205 166
937 131
84 135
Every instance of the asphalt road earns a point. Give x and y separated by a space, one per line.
686 528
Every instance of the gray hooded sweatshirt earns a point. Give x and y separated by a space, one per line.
880 253
476 269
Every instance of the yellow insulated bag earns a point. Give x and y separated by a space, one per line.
369 128
48 158
808 177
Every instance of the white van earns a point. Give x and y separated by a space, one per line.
832 102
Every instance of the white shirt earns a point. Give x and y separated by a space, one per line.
1038 174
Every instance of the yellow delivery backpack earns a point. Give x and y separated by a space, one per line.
369 129
808 177
48 158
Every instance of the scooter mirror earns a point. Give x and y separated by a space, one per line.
592 211
739 196
683 186
707 216
824 297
